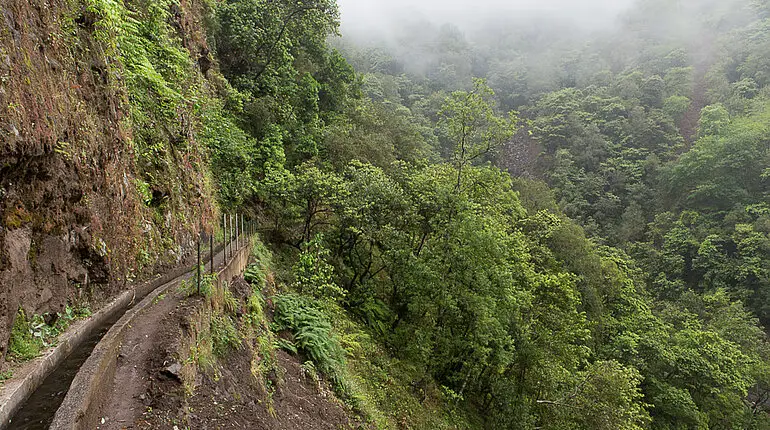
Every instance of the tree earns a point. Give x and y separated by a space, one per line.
653 89
471 125
713 120
605 396
255 37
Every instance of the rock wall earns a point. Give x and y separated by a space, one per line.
74 227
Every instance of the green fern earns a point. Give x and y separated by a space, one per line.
286 345
312 332
255 275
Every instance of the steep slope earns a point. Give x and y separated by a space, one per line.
102 180
151 391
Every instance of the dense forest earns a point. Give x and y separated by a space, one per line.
562 230
545 226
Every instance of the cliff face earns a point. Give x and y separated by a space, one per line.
102 180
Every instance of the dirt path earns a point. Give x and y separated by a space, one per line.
146 340
147 395
126 400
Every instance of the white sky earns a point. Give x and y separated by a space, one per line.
362 15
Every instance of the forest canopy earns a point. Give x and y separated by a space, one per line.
563 227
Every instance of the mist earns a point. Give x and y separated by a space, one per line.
369 18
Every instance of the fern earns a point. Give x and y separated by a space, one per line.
286 345
255 276
312 332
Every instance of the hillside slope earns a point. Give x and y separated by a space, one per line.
622 285
90 198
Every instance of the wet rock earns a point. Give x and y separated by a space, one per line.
173 371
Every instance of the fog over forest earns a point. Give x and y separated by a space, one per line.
365 17
635 133
465 214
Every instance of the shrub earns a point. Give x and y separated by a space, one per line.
314 276
190 288
30 336
224 335
26 342
312 332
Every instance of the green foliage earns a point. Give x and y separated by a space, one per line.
157 73
472 127
606 396
232 150
314 276
229 303
31 336
724 169
312 332
262 255
255 276
207 282
388 391
676 107
274 53
287 346
484 295
257 38
455 287
713 120
224 335
26 338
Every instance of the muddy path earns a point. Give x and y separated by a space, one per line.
39 409
147 338
151 335
148 394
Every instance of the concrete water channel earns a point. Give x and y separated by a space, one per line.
33 404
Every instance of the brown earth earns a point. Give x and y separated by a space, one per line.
73 228
235 401
148 392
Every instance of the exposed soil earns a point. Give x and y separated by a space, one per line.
235 401
148 392
72 223
144 350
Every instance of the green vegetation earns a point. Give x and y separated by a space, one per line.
31 336
521 231
224 335
312 332
380 388
190 287
26 343
433 288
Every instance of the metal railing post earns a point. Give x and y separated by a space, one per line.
224 237
211 245
198 269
